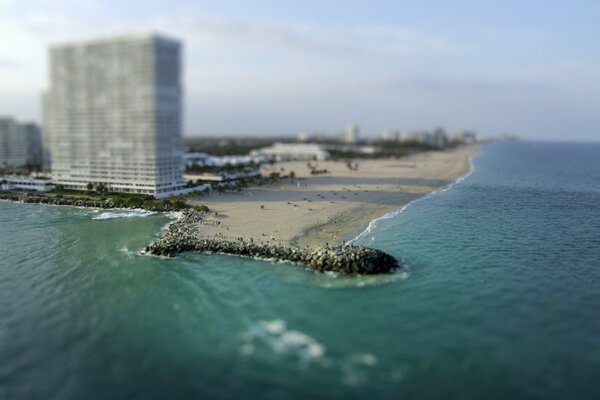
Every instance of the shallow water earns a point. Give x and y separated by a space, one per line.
499 300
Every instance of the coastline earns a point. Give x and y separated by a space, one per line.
332 209
391 214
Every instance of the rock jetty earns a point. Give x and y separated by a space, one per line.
184 235
79 202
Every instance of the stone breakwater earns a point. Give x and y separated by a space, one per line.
75 202
184 235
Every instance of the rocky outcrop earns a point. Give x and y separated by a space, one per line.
78 202
184 235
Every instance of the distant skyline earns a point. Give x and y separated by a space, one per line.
272 67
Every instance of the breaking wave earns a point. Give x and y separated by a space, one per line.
123 214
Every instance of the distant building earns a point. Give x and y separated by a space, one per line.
390 135
465 136
438 138
200 159
416 136
20 144
292 152
112 114
302 137
350 135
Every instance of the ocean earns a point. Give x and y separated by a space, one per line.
500 299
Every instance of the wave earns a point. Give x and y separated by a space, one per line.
268 338
375 223
280 339
129 214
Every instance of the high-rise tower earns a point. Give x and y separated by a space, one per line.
113 114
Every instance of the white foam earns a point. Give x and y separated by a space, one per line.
274 338
121 214
281 340
375 223
174 215
338 281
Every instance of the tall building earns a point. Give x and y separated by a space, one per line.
351 134
112 114
33 135
19 144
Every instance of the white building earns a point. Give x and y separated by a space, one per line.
27 183
206 160
350 135
292 152
112 114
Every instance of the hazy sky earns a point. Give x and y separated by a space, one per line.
281 67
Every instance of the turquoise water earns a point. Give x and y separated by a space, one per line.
500 301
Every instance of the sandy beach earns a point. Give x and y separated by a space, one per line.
315 210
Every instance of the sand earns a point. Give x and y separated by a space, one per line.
333 208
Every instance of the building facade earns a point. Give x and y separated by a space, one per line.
113 115
19 144
292 152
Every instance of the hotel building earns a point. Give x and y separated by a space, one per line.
113 114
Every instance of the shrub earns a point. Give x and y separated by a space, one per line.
201 208
135 202
178 204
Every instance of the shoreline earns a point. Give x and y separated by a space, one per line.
317 211
319 218
391 214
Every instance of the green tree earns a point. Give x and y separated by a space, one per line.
135 202
89 186
201 208
101 188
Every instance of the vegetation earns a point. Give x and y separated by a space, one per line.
201 208
135 202
314 169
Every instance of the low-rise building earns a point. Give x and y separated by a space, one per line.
293 152
27 183
206 160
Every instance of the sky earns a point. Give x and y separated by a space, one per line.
266 67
